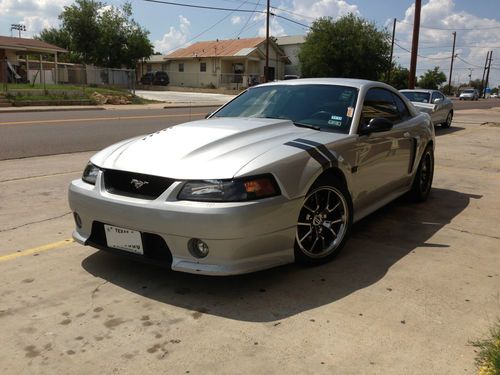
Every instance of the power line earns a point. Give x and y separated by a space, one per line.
424 57
452 29
248 19
205 7
468 63
290 20
203 32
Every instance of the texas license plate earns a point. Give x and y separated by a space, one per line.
124 239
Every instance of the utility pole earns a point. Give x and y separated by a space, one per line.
392 50
484 73
452 58
414 44
470 75
488 74
266 68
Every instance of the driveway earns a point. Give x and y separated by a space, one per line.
414 284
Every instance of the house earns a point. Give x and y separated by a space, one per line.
234 63
151 64
291 46
13 68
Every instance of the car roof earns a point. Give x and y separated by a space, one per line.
418 90
352 82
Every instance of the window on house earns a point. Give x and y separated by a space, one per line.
181 67
203 67
149 67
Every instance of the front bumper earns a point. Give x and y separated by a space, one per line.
242 236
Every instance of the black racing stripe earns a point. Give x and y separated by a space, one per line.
312 152
321 147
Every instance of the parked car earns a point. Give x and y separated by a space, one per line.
433 102
469 94
155 78
278 174
494 96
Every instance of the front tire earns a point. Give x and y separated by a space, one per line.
323 225
448 120
423 177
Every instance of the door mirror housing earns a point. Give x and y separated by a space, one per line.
376 125
437 101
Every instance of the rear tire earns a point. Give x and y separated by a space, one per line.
447 123
423 177
323 224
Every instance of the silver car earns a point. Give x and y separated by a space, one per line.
437 105
279 174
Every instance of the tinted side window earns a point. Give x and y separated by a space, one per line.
404 114
379 103
436 95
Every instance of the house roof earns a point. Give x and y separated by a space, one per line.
218 48
28 45
290 39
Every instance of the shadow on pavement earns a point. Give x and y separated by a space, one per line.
377 242
442 131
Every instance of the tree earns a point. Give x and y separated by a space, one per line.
349 47
399 77
100 34
432 79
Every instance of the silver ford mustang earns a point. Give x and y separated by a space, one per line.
278 174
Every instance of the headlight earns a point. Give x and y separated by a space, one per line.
237 190
90 173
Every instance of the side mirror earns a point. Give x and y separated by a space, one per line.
376 125
437 101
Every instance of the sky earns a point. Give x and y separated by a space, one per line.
476 22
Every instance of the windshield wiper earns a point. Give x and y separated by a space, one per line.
310 126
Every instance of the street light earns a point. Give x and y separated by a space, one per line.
17 26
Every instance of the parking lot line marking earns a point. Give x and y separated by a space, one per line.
38 249
98 119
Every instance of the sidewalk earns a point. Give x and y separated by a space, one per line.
167 99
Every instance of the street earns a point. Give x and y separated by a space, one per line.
415 283
49 133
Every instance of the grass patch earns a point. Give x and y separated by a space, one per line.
22 92
488 357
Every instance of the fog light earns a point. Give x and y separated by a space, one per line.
78 220
197 248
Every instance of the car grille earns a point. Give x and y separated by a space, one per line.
135 185
155 248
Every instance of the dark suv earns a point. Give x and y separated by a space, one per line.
155 78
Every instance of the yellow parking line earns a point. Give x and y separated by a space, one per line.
34 250
98 119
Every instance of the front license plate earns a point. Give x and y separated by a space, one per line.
124 239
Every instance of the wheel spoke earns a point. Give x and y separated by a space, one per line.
336 221
306 235
333 209
314 244
333 232
307 208
304 224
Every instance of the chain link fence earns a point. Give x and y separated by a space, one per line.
45 75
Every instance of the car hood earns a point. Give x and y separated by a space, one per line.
206 149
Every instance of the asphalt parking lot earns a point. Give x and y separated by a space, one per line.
413 286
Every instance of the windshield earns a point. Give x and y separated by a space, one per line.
468 91
323 107
417 96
